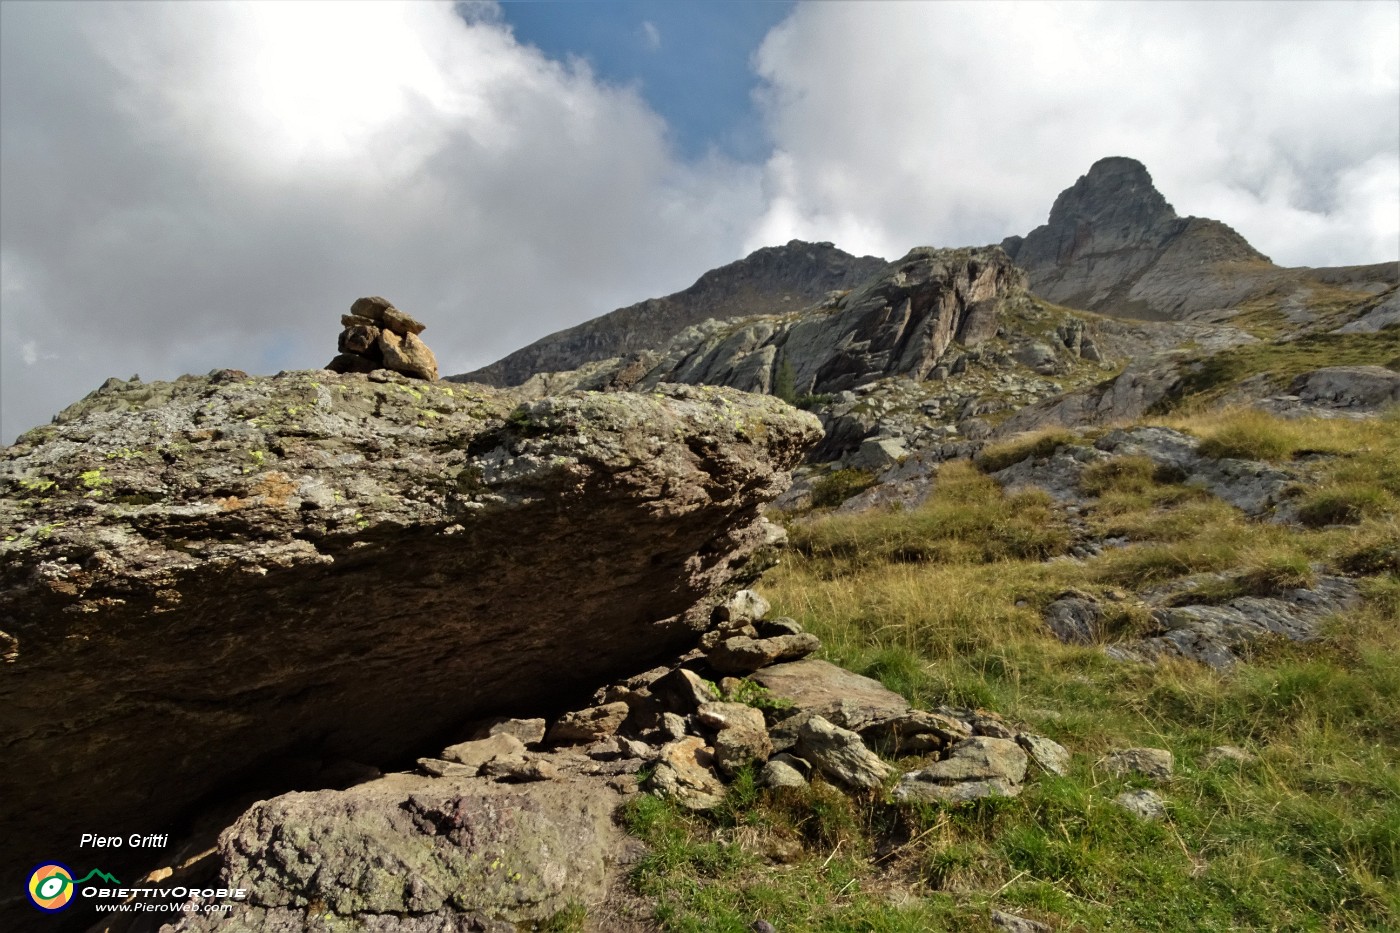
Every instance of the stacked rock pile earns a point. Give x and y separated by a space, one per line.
749 697
378 335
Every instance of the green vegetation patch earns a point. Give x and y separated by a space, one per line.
1208 378
944 605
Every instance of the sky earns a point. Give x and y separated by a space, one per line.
187 186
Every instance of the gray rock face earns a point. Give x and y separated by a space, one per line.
1353 387
898 323
406 533
770 280
1217 635
1114 244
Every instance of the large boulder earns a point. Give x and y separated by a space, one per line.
224 580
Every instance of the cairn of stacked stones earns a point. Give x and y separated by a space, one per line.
378 335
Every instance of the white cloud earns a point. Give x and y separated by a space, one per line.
651 36
189 186
197 185
954 123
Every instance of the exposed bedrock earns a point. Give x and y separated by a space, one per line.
223 576
898 323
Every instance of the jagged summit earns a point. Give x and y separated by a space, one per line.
774 278
1113 243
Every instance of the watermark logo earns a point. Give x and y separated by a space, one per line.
51 886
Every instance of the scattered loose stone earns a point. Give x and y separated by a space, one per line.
916 732
841 697
741 736
683 692
1230 753
1010 923
1154 763
586 725
991 725
977 767
684 773
476 753
782 625
673 726
840 755
1050 755
518 771
777 773
529 731
744 655
916 786
1144 804
743 607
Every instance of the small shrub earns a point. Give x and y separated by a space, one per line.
837 486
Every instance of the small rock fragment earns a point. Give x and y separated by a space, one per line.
1144 804
476 753
780 774
683 691
1050 755
744 606
744 655
529 731
1154 763
741 736
1231 753
685 774
587 725
1010 923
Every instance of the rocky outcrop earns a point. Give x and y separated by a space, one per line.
770 280
224 580
1113 244
900 322
377 335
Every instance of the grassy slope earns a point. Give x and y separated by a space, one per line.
943 604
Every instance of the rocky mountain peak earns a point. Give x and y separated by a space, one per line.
1113 243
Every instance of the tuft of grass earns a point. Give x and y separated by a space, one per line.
1247 434
967 518
1009 452
1307 837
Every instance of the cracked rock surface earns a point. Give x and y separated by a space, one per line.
224 577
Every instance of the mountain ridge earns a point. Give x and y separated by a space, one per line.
774 278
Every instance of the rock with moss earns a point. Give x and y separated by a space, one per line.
313 567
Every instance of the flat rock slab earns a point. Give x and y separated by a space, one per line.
845 699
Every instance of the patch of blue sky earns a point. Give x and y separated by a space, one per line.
691 60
